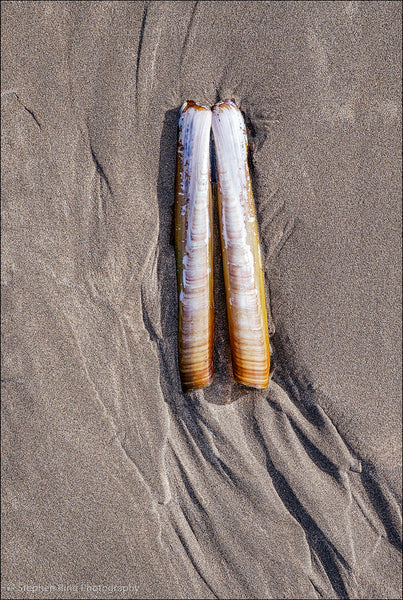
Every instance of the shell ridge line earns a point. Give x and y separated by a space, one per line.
196 203
235 189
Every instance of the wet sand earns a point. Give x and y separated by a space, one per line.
112 476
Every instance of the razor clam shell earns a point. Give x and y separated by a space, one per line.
242 264
194 247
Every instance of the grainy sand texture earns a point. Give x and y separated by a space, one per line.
115 483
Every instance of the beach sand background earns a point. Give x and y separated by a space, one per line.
112 476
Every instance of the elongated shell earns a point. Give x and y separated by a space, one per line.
243 274
194 248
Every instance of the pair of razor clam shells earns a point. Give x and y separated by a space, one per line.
243 274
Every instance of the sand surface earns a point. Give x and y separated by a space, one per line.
112 476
